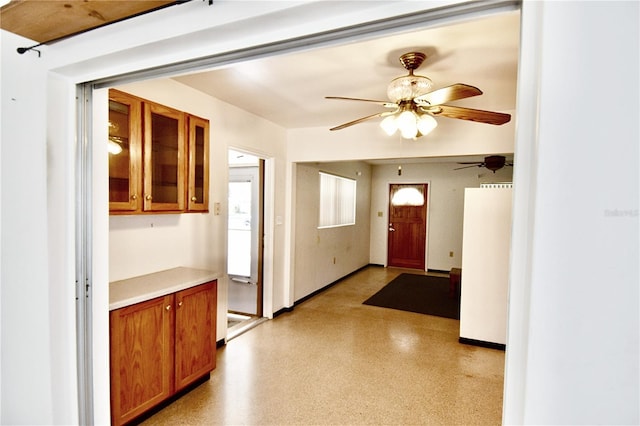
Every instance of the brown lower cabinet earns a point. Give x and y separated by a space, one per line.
159 347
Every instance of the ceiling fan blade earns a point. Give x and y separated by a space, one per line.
385 104
448 94
488 117
467 167
360 120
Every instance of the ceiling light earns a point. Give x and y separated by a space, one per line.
426 123
389 125
408 87
410 123
407 124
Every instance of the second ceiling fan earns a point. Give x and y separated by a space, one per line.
491 162
413 105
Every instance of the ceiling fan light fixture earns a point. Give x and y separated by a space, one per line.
426 124
389 125
408 87
415 104
410 124
407 123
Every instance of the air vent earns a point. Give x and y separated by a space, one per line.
497 185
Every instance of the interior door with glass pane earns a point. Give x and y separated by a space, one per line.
407 232
243 239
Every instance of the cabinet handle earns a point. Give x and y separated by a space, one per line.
168 307
194 198
148 197
179 303
134 197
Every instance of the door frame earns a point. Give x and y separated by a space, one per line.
400 181
266 229
91 234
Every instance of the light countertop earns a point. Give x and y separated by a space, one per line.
146 287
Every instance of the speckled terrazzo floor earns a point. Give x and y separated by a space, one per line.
335 361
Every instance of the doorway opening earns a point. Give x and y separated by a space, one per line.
100 229
245 236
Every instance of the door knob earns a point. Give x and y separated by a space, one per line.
194 199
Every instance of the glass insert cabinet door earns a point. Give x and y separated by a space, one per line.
198 191
125 146
164 158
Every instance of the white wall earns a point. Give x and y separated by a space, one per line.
444 208
485 264
149 243
323 256
573 340
366 141
26 304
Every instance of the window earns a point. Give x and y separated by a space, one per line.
337 201
408 195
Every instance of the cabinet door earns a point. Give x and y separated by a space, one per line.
195 353
125 149
141 357
198 193
164 158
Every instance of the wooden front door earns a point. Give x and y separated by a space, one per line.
407 225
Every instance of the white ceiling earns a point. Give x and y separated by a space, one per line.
289 89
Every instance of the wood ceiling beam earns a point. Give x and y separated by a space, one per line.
51 20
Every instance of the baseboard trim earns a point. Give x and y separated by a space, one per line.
282 311
438 271
327 287
482 343
320 290
220 343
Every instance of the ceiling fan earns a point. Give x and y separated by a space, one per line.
413 105
491 162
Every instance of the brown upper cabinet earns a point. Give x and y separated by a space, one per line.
158 158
